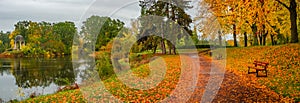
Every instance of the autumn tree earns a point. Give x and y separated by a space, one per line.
4 41
65 32
44 37
292 8
257 17
217 14
170 10
100 30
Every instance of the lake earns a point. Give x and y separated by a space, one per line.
20 77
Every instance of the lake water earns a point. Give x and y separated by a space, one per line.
20 77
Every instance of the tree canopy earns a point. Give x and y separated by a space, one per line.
43 38
171 13
260 18
100 30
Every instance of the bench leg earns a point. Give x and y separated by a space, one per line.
262 75
257 73
248 70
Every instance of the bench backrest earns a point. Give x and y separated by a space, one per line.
260 63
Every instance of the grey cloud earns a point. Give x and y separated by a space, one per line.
40 10
12 11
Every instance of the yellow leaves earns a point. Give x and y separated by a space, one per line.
12 42
245 13
13 34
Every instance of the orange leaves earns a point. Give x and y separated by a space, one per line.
156 94
73 96
237 86
283 72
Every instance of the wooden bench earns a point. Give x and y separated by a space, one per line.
259 66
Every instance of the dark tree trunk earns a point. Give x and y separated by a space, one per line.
255 39
170 48
234 36
246 39
254 31
174 49
260 39
272 39
154 49
293 18
264 36
163 46
220 39
264 39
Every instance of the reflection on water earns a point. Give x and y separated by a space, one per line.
20 77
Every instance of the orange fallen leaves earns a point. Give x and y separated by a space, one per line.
283 72
156 94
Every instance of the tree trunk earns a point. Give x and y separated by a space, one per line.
260 38
220 39
272 39
174 49
154 49
170 48
264 39
293 18
255 39
264 36
254 31
234 35
163 46
246 39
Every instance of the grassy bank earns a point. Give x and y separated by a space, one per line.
283 71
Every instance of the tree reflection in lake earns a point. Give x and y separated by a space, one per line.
20 77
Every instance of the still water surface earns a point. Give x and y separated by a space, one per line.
20 77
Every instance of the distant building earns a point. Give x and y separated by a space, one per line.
19 42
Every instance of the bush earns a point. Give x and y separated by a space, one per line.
28 50
54 47
104 65
2 48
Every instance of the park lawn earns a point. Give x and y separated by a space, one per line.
120 90
283 71
283 76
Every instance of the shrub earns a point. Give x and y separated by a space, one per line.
54 47
104 65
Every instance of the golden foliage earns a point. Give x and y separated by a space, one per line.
267 15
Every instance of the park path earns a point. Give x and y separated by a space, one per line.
233 88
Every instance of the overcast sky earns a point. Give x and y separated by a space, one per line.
12 11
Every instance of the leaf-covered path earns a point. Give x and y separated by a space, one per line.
234 88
